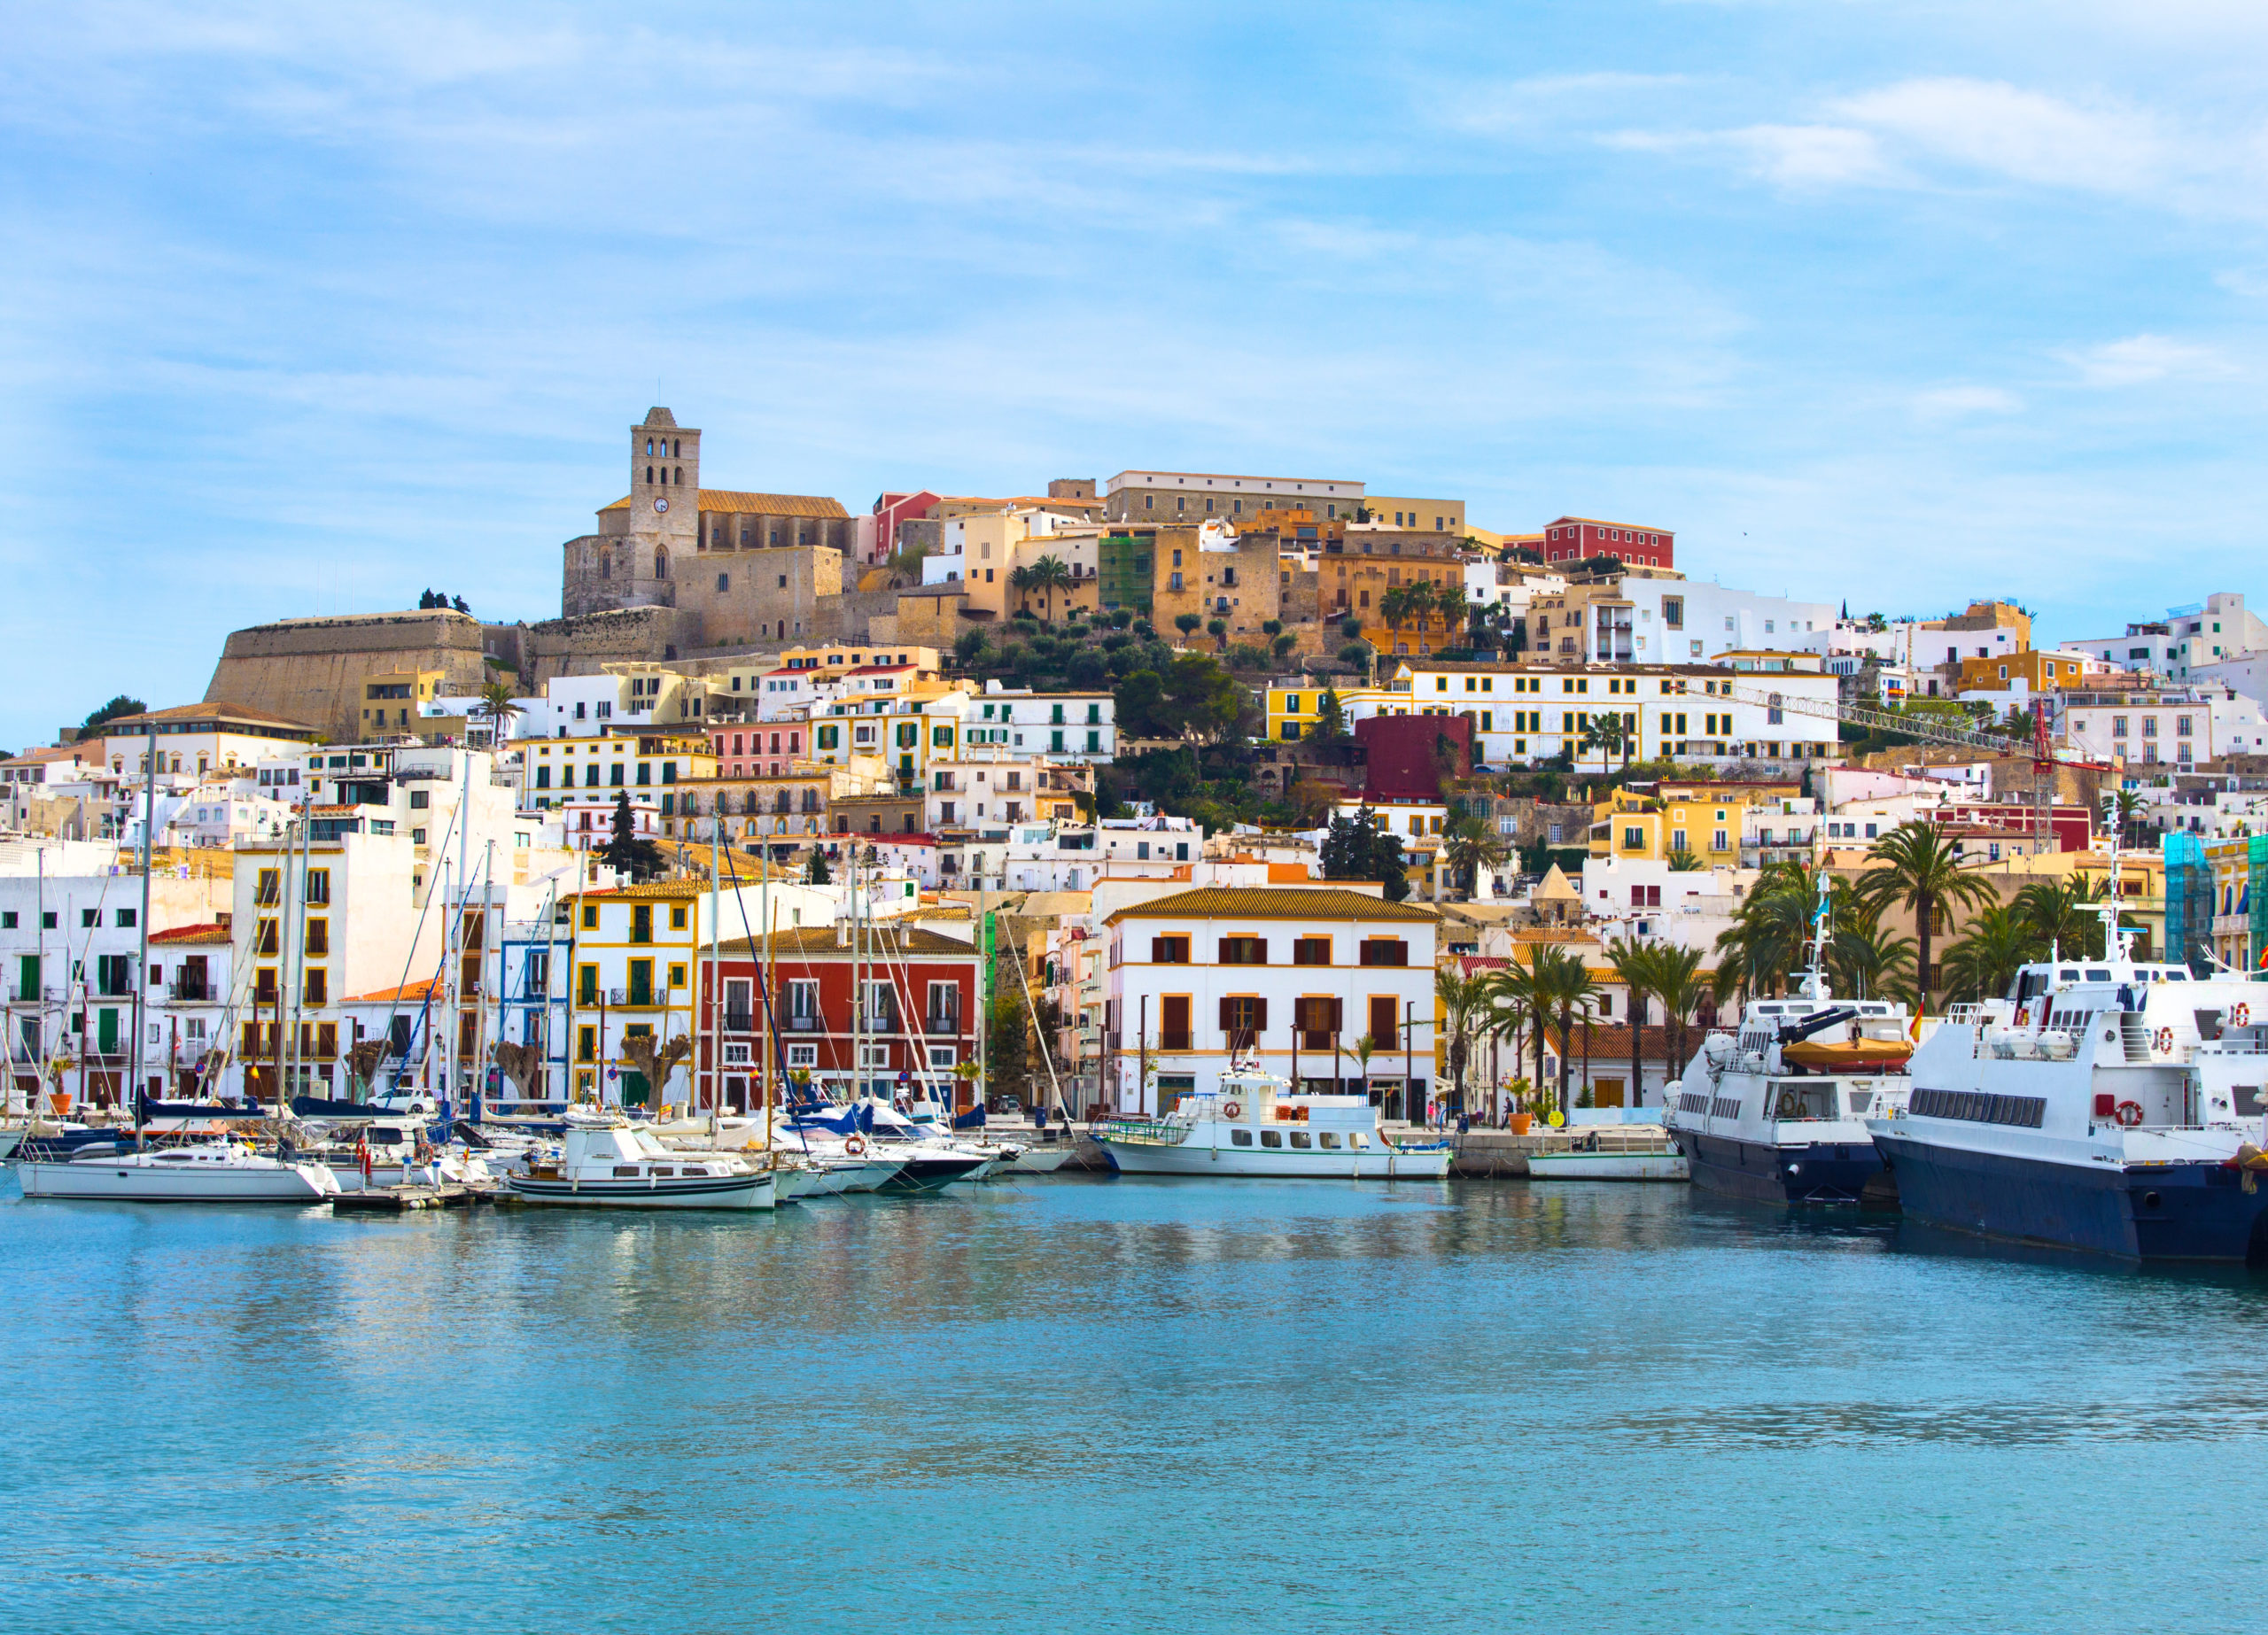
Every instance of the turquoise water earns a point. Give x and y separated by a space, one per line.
1117 1405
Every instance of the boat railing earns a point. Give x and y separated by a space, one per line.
1964 1015
1142 1132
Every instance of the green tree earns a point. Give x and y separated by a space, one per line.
1362 847
815 871
1679 985
1571 994
1282 647
1470 848
1514 1006
1049 576
1186 623
1916 867
1637 964
498 707
123 705
1330 734
1218 630
626 850
1464 1004
1359 655
1982 962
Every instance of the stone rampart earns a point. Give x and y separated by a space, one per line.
313 669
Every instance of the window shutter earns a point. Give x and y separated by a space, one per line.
1260 955
1228 1016
1338 1015
1157 950
1260 1016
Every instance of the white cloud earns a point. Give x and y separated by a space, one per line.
2141 359
1957 402
1993 126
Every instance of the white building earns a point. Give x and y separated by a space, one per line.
2180 726
1296 974
2187 640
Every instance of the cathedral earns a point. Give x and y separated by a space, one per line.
742 567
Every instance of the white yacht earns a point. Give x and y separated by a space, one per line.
1253 1125
1775 1110
611 1164
2112 1105
217 1172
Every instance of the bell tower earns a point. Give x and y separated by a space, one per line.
664 498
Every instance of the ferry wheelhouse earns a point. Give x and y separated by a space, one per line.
1775 1110
1253 1125
2110 1105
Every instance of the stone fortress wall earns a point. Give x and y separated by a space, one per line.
313 669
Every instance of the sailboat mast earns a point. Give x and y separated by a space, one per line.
141 960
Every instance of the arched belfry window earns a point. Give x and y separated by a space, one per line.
680 474
649 473
661 564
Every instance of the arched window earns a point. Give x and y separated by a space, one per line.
680 475
661 564
649 473
606 564
677 448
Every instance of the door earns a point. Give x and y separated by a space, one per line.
1606 1093
26 977
1173 1022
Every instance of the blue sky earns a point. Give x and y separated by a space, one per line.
307 308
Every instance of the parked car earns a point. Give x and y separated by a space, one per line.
1005 1106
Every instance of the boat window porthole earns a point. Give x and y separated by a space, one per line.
2150 1200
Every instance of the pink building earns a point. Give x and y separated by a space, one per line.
743 749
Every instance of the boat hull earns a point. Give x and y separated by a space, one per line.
1808 1172
758 1191
1138 1158
1608 1166
926 1172
2142 1212
96 1179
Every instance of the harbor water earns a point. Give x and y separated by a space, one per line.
1086 1404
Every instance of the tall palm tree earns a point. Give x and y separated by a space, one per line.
1605 734
1020 582
1636 964
1470 848
1361 1050
2059 915
1766 939
1394 607
1915 867
2123 808
1048 576
1864 961
1465 1003
1984 962
496 704
1516 1002
1566 992
1677 984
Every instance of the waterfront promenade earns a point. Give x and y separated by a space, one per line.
1088 1404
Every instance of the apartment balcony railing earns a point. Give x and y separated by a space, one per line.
947 1023
188 993
806 1025
739 1021
1174 1042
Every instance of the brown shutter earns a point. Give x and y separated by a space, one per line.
1228 1015
1338 1015
1157 950
1260 955
1258 1016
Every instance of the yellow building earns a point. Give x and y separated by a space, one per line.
636 947
1293 712
645 761
391 699
2038 670
1699 818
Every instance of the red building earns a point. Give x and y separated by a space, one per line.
891 509
1398 754
920 1024
1571 539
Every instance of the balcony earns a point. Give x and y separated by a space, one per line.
187 992
948 1024
807 1025
739 1021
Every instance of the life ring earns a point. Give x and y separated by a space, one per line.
1231 1110
2241 1017
2164 1042
855 1146
1789 1106
2023 1016
2129 1113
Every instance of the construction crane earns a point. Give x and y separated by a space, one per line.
2045 759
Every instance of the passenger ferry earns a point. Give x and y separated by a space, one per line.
2110 1105
1255 1125
1775 1111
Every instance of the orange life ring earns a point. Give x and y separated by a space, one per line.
1231 1110
2129 1113
855 1146
2241 1017
2164 1042
2023 1016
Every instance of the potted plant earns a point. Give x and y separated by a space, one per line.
1520 1092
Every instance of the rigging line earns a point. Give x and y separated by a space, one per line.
448 837
1039 1033
48 1058
898 962
771 1013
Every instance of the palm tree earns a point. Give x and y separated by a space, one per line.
1470 848
1048 576
2058 914
2124 809
1984 962
1516 1002
497 706
1677 984
1605 734
1767 937
1361 1050
1573 991
1916 867
1864 961
1394 607
1685 862
1636 964
1020 582
1464 1002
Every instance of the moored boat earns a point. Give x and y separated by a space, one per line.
1629 1155
1253 1125
610 1166
217 1172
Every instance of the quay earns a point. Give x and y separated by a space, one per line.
399 1200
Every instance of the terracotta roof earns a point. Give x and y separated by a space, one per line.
1610 1043
181 936
649 892
816 941
418 992
51 752
757 505
215 710
1272 902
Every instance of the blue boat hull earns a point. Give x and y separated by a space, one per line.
2158 1211
1821 1173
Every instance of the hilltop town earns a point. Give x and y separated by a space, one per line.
1057 718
